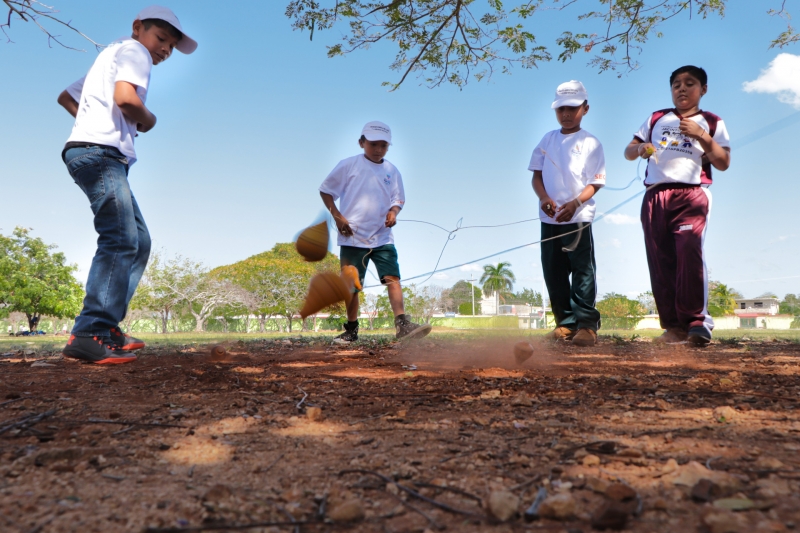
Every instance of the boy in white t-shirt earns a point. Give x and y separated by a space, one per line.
568 169
681 145
370 193
109 109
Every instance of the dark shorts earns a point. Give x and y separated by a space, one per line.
384 257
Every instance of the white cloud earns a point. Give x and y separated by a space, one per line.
620 219
616 243
441 275
471 268
781 77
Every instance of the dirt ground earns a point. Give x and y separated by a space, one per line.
445 433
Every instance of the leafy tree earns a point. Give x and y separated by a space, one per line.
154 293
455 40
462 294
768 294
790 305
423 303
497 279
648 303
721 299
36 281
183 283
619 312
466 308
528 297
276 282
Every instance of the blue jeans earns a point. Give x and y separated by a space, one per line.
123 244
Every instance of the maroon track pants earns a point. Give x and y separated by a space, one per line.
674 219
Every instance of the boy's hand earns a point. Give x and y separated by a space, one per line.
343 225
566 211
692 129
548 206
646 150
391 219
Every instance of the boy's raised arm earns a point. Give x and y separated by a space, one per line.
132 106
66 101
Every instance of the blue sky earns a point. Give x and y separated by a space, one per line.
252 123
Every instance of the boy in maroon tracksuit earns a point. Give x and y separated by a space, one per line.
681 145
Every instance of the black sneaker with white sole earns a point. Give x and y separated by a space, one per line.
97 350
407 330
350 333
699 336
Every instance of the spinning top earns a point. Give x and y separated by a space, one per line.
349 276
325 289
522 352
218 353
312 243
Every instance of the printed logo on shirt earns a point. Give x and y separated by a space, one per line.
685 227
576 150
600 177
388 179
672 139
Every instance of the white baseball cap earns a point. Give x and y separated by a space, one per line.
571 93
377 131
187 45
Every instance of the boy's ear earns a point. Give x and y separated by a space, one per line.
137 28
705 90
361 143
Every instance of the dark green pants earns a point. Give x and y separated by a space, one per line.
573 303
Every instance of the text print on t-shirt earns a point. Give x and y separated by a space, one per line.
673 139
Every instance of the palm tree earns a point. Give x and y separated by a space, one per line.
497 278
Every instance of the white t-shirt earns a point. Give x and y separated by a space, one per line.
569 163
366 191
99 119
680 159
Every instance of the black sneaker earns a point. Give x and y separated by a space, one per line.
350 334
125 341
97 350
408 330
699 336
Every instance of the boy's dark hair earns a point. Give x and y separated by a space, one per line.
691 70
362 139
164 25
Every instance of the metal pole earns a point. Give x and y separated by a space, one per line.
472 290
544 306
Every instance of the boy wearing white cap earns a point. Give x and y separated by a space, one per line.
370 193
109 109
568 169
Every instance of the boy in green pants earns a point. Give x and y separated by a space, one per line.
370 193
568 169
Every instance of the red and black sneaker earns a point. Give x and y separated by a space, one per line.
125 341
97 350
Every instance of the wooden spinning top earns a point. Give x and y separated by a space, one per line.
522 352
312 243
350 277
218 353
325 289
